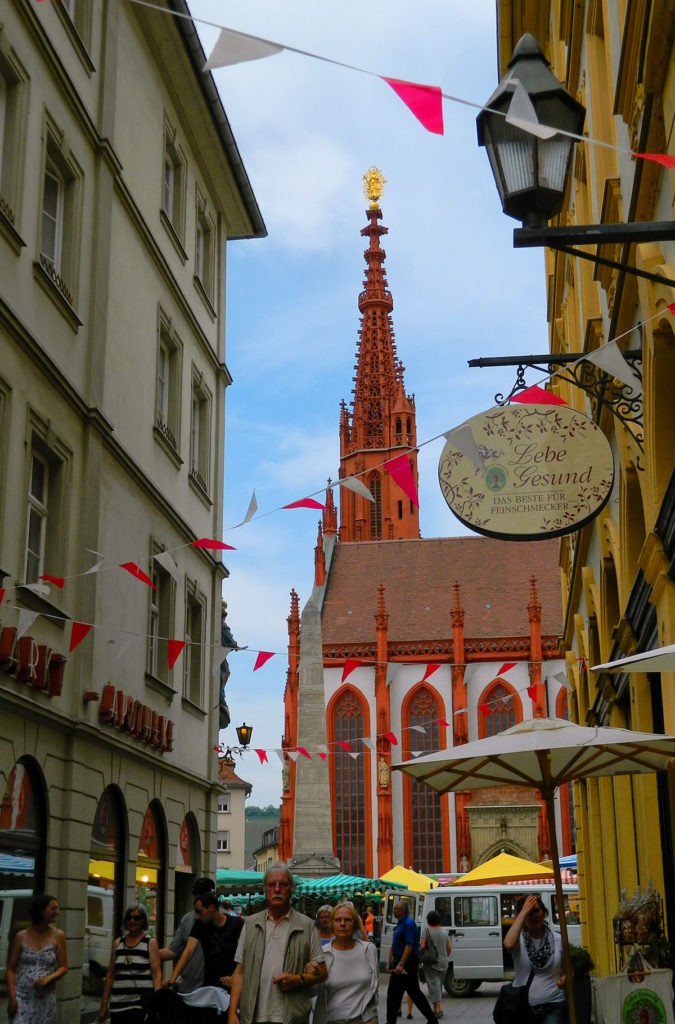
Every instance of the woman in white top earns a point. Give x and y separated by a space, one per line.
350 991
537 951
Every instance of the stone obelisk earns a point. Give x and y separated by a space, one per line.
313 855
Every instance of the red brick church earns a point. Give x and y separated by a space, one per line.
429 624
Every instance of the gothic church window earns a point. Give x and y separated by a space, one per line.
424 810
350 784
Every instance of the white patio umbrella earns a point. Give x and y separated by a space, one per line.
543 754
662 659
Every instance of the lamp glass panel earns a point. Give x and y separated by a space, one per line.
515 151
553 160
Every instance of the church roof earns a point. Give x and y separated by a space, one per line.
418 577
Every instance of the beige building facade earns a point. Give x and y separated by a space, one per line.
618 579
120 187
231 837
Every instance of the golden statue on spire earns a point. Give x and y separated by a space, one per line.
373 186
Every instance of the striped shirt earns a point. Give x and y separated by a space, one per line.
132 975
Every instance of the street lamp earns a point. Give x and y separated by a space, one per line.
244 733
531 172
531 167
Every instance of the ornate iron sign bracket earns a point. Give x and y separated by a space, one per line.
601 387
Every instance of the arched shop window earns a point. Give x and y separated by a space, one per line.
151 868
23 828
188 860
105 888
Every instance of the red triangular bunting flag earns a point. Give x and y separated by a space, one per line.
349 666
532 691
485 708
658 158
137 573
263 656
58 581
392 739
216 545
78 633
262 754
343 744
537 396
301 750
442 721
401 472
322 755
671 307
506 667
305 503
2 594
424 101
174 648
430 671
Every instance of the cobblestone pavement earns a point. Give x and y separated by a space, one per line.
476 1008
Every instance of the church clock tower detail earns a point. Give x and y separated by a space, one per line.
381 422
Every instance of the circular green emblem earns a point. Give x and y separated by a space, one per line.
643 1007
495 478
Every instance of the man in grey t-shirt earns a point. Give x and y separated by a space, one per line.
193 972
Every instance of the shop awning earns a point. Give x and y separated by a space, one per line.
335 886
408 879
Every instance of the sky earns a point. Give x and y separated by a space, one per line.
307 131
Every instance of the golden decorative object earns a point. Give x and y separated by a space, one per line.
373 186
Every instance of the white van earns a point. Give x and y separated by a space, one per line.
476 918
98 934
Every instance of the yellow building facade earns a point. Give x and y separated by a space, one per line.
618 572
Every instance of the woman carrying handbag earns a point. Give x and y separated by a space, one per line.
537 957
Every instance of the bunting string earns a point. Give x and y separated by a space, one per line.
424 101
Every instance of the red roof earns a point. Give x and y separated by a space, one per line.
418 576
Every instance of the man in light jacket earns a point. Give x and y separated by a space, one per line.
278 959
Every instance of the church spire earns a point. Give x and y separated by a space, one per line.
381 422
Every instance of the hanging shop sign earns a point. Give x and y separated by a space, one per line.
129 715
548 471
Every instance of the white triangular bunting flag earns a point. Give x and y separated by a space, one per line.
251 511
521 114
237 48
416 753
418 728
352 483
38 588
280 754
94 568
322 748
219 655
610 359
120 644
461 438
293 754
26 620
353 754
166 561
370 744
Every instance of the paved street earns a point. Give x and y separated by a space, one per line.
476 1008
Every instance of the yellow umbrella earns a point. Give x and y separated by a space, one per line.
504 868
412 880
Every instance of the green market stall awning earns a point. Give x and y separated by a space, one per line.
239 882
335 886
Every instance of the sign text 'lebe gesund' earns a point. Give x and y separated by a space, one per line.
548 470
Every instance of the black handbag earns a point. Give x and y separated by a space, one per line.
512 1006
